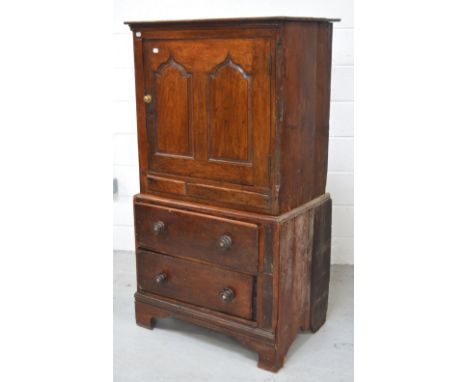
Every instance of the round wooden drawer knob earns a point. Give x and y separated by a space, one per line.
226 295
224 242
160 278
159 227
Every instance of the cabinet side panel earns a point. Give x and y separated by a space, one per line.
320 278
296 238
305 119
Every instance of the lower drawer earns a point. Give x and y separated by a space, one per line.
197 284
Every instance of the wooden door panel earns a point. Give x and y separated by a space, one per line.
229 111
202 55
210 114
173 109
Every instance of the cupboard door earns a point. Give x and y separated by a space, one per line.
208 110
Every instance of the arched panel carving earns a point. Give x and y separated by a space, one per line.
229 107
173 109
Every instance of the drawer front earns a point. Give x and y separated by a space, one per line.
195 283
186 234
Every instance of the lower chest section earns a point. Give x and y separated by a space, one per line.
214 263
258 278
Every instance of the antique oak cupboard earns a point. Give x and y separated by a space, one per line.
232 223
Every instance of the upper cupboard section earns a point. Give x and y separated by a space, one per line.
208 105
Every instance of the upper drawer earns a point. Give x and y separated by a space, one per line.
186 234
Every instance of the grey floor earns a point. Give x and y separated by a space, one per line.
177 351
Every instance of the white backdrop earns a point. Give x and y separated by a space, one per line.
341 165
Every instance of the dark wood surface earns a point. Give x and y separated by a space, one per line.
304 120
232 223
225 22
195 283
320 271
291 298
195 236
204 106
234 111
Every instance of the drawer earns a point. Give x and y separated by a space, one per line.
185 234
195 283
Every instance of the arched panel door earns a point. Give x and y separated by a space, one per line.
208 114
173 109
229 112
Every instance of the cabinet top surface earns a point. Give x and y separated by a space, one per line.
247 20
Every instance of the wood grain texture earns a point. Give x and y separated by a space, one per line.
195 283
199 123
320 271
233 151
225 23
227 196
228 212
293 297
172 112
247 113
230 109
199 189
304 117
302 278
166 185
195 236
295 255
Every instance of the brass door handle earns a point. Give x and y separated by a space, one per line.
147 98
